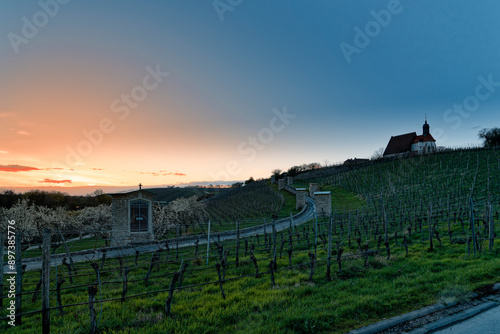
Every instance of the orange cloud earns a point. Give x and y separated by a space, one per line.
16 168
162 173
55 181
23 133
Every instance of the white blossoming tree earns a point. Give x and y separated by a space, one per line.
30 220
96 220
182 212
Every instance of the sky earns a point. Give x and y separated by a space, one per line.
115 93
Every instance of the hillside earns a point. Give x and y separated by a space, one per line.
166 195
251 205
405 234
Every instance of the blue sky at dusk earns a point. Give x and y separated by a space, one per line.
309 81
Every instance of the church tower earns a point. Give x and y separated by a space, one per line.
426 128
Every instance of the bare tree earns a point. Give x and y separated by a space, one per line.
490 137
378 154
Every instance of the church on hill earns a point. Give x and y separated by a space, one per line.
410 143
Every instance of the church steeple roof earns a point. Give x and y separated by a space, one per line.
426 128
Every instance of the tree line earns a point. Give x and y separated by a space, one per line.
54 199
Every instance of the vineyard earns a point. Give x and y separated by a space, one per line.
436 192
254 204
254 200
403 234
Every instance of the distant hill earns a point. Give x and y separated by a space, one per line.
167 195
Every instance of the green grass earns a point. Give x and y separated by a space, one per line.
343 200
74 246
300 185
289 205
355 297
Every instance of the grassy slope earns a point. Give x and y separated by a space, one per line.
74 246
289 205
358 296
169 194
343 200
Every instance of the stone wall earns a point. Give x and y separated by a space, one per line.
323 203
290 189
120 229
313 187
300 196
281 184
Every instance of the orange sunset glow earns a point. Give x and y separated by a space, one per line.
113 95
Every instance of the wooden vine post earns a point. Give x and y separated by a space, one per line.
46 281
349 231
60 282
449 219
312 257
328 274
271 269
237 243
2 243
315 233
491 229
217 266
171 293
208 241
473 228
429 220
93 324
274 238
386 227
68 254
177 242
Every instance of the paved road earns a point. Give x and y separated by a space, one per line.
283 224
487 322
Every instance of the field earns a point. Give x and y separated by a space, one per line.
404 234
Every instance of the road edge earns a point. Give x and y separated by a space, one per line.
435 325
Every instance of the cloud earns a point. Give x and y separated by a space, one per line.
4 152
96 168
162 173
6 114
16 168
206 183
55 181
24 133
